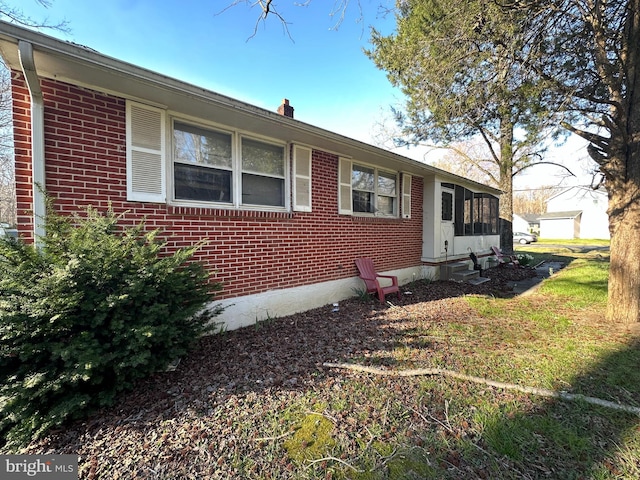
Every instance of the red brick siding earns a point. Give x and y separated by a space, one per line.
250 251
21 110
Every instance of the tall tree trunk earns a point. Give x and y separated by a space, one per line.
624 273
506 185
623 183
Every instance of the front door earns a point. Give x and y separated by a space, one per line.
447 222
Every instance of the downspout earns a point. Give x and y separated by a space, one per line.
25 52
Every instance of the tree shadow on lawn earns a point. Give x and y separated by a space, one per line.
561 439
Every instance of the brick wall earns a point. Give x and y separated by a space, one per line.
22 153
250 251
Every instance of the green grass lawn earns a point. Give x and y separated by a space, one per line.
574 241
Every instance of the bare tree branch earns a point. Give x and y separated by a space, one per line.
16 15
555 164
267 9
485 381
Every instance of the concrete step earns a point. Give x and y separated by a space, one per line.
464 276
447 270
457 266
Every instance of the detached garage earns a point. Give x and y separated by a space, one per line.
560 224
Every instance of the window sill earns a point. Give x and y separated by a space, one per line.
209 212
373 218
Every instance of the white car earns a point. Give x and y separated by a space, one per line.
521 237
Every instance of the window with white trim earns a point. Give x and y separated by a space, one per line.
368 190
363 189
202 164
374 191
386 193
263 173
212 165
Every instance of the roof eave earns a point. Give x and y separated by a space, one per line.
80 65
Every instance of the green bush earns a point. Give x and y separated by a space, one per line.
96 308
525 259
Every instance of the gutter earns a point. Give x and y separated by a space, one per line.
86 56
27 63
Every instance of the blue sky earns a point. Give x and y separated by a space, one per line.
321 70
319 67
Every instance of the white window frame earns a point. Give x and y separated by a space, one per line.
397 197
172 161
345 190
236 169
237 163
150 171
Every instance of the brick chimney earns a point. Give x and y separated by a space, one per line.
285 109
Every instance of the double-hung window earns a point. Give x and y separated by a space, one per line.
373 191
363 189
203 164
263 173
386 194
209 167
212 165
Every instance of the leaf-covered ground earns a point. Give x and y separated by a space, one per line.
257 402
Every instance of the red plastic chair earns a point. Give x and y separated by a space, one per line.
370 277
504 259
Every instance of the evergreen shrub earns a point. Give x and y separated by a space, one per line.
97 307
525 259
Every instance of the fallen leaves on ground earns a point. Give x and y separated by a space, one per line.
225 412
